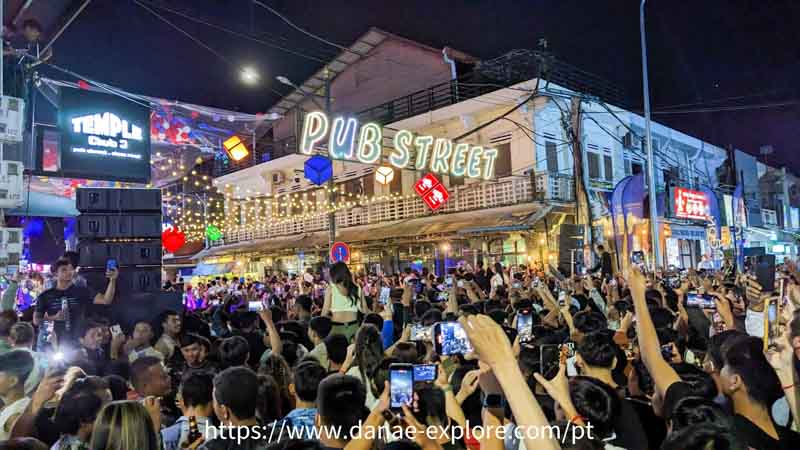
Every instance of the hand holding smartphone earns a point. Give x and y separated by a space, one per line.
450 339
401 386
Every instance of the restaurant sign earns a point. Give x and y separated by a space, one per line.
690 204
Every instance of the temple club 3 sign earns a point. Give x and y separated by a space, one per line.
432 191
691 204
438 155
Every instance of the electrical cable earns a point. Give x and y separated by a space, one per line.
239 34
304 31
486 124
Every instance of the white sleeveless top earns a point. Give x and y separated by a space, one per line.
14 409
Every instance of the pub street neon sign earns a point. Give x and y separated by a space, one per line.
438 155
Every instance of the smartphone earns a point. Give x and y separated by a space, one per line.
516 285
765 272
255 306
460 283
424 373
703 301
666 352
450 339
111 264
525 326
420 332
549 355
194 431
383 297
116 330
401 386
442 296
637 259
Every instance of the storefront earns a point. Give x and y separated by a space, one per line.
685 246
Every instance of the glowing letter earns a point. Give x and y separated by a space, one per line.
489 155
342 139
441 155
473 162
459 162
369 143
423 144
315 127
401 154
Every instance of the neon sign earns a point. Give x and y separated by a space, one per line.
691 204
438 155
432 191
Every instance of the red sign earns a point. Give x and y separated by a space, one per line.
432 191
340 252
691 204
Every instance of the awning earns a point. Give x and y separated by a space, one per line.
213 269
39 204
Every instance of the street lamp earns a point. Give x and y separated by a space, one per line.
651 179
249 75
284 80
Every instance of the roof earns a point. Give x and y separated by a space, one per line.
359 50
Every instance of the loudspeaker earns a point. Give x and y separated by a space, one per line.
131 279
115 225
95 200
570 238
130 308
95 254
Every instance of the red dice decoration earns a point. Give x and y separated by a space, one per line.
432 191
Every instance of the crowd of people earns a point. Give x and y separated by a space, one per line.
672 360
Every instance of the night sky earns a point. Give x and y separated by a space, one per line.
735 55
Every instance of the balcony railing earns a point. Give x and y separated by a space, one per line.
262 153
545 187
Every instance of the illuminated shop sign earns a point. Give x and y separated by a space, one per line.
349 141
691 204
103 137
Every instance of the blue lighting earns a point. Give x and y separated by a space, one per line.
318 169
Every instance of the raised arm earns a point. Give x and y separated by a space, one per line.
326 305
107 297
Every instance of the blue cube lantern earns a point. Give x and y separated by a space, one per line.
318 169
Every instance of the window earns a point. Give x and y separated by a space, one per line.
594 165
609 167
636 168
502 166
552 156
456 181
396 186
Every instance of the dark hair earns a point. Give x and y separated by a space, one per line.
701 436
373 319
296 444
694 410
307 377
430 404
304 302
381 373
321 325
340 274
662 318
598 350
23 443
234 388
73 257
597 402
33 23
406 352
336 345
421 308
270 406
118 386
700 383
431 317
745 357
191 339
339 402
718 344
197 387
22 333
61 262
368 354
79 404
234 351
18 363
140 368
590 321
276 367
472 405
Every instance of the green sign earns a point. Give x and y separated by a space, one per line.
213 233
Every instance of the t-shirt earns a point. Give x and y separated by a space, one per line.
78 299
675 392
749 435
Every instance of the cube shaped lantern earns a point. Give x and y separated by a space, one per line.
318 169
384 175
235 148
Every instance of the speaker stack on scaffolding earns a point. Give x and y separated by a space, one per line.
124 225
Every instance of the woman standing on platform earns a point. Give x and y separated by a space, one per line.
343 301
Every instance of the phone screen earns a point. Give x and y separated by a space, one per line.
666 352
448 281
255 306
384 295
401 385
442 296
525 326
765 272
451 339
420 332
703 301
111 264
424 373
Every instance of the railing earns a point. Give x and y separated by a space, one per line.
262 153
545 187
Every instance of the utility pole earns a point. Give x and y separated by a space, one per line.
583 213
651 172
331 186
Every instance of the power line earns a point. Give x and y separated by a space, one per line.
238 34
304 31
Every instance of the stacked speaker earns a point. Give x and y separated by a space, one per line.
570 246
124 225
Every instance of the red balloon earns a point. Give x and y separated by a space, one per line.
173 239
